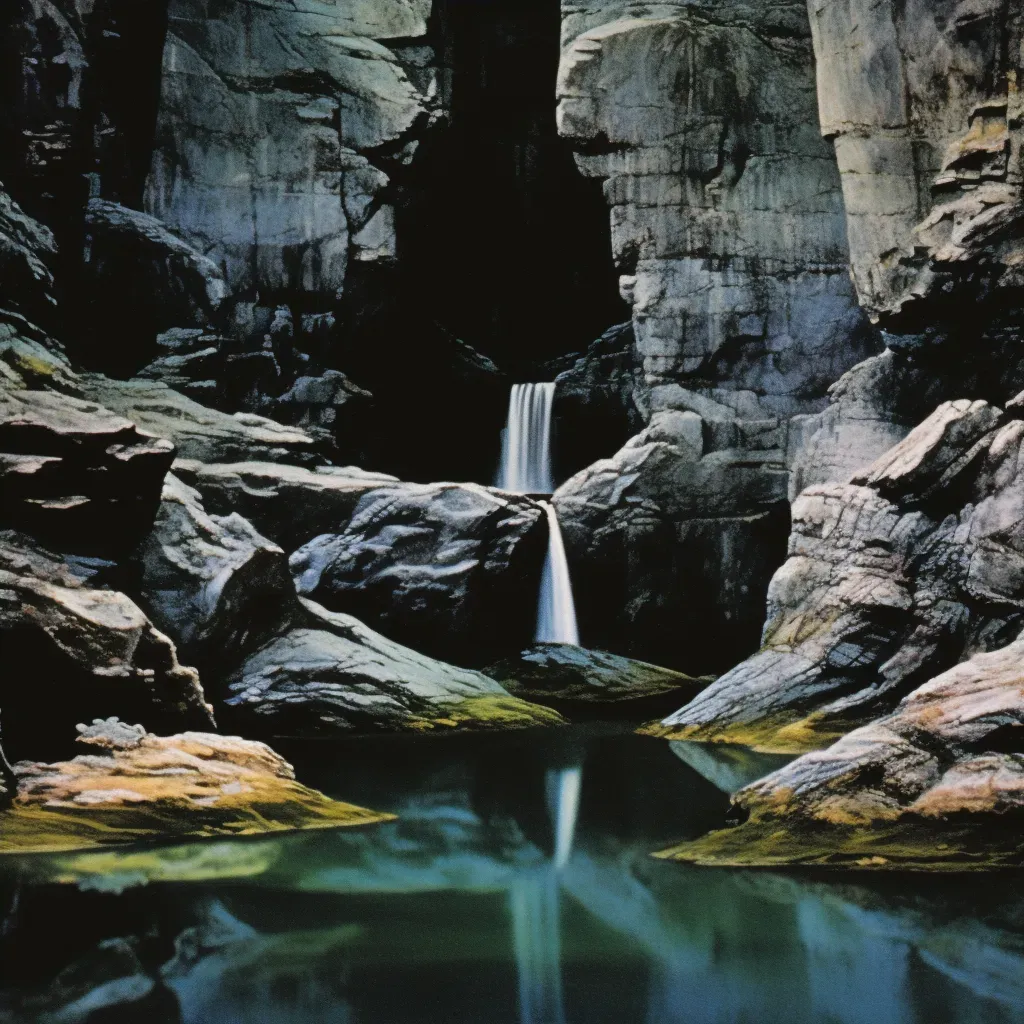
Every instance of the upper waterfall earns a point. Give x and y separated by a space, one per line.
526 441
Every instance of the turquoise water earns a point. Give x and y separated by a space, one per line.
516 886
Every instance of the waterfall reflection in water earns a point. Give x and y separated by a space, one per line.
514 888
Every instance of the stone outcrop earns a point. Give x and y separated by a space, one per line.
937 784
75 474
140 280
332 674
912 566
80 650
672 542
132 785
212 582
727 212
563 675
289 504
197 431
268 114
450 569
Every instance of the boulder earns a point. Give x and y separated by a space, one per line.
75 474
94 651
27 254
333 674
671 543
212 582
882 591
199 432
289 504
563 675
450 569
938 784
132 785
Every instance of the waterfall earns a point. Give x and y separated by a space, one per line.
556 611
526 441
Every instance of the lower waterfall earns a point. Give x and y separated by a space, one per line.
556 610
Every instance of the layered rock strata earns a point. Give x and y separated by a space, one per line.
912 566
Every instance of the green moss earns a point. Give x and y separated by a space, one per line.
902 846
492 711
278 805
778 735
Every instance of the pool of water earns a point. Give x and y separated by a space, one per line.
515 886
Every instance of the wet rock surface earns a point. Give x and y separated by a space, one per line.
131 785
891 579
450 569
570 676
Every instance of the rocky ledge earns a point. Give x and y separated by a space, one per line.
133 786
936 785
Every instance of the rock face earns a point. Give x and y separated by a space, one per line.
563 674
727 213
140 280
76 474
450 569
671 545
212 582
912 566
199 432
332 674
266 113
132 785
94 650
289 504
937 784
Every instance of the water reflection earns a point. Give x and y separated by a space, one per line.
515 887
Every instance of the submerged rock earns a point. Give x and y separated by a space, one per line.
936 785
81 651
917 564
332 673
563 674
197 431
133 785
450 569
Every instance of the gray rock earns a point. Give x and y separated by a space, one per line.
565 674
726 207
450 569
212 582
197 431
936 784
265 113
671 547
142 280
76 474
27 254
94 650
289 504
335 674
31 358
882 592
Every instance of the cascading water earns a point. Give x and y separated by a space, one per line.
556 610
526 442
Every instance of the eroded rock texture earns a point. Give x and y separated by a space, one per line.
727 213
131 785
936 784
268 114
450 569
72 650
914 565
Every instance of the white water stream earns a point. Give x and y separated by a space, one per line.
556 610
526 442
